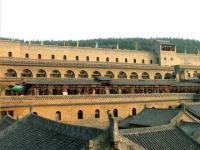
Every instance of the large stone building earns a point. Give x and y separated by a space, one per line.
78 85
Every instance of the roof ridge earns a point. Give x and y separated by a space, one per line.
148 129
75 131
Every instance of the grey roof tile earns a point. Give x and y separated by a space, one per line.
171 138
151 117
34 132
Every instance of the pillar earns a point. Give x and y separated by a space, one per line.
107 90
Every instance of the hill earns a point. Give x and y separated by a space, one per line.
127 43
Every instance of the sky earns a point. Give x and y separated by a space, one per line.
88 19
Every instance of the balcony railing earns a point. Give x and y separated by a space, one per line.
73 63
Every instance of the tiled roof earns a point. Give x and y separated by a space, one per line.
151 117
6 121
161 138
189 127
34 132
141 82
194 109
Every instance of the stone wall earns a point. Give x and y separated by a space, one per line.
68 106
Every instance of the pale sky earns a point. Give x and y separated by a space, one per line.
87 19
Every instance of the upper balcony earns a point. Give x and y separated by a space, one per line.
85 64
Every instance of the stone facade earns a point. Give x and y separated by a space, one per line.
28 62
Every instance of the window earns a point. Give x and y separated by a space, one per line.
64 57
52 56
77 58
165 58
110 74
133 111
11 73
134 75
80 114
58 116
39 56
107 59
157 76
145 75
143 61
35 113
26 55
151 61
9 54
41 74
10 113
115 113
126 60
134 60
87 58
188 74
26 73
55 74
69 74
172 59
97 113
168 76
122 75
83 74
117 59
96 74
97 59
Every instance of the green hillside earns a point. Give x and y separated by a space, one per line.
128 43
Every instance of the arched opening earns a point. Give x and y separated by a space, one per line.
55 74
83 74
80 114
115 113
145 75
151 61
134 75
58 116
87 58
96 74
134 61
11 73
157 76
39 56
97 58
70 74
52 56
110 74
122 75
77 58
26 73
97 113
26 55
168 76
107 59
41 74
117 59
35 113
9 54
143 61
134 112
64 57
126 60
